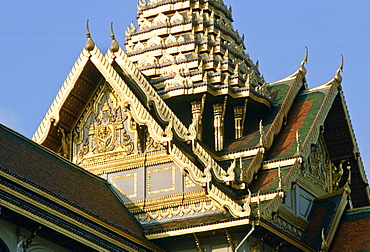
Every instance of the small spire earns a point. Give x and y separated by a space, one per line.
261 132
241 175
302 69
279 175
298 151
324 244
90 43
248 200
258 204
338 77
114 45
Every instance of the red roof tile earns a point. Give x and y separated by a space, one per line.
40 166
287 136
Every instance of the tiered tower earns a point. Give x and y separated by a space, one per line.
190 48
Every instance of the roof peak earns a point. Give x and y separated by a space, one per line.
90 43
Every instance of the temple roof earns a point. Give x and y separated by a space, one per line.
177 54
352 234
44 173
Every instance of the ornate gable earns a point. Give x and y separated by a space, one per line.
104 128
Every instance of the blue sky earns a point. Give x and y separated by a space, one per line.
41 39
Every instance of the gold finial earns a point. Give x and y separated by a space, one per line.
324 244
258 204
114 45
298 152
248 200
261 132
349 179
302 69
230 10
90 43
241 175
141 4
279 175
338 77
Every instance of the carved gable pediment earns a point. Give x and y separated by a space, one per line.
106 132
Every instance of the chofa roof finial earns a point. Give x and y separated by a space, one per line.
90 43
114 45
302 68
338 77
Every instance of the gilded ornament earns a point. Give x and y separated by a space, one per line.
177 17
170 40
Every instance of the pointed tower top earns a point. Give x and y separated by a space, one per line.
114 45
338 77
90 43
302 68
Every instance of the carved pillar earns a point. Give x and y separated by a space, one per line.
238 118
196 110
218 125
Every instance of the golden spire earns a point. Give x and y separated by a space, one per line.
338 77
279 176
261 133
114 45
298 151
302 69
90 43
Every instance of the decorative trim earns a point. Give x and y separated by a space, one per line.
131 175
314 133
174 200
181 210
198 229
295 83
111 162
149 179
53 112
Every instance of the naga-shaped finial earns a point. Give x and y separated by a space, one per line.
302 68
338 77
90 43
114 45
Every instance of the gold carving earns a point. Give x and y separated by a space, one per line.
65 143
160 19
177 17
319 167
178 211
103 129
132 175
114 162
189 183
152 145
144 24
154 41
219 110
238 116
197 243
150 174
337 174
